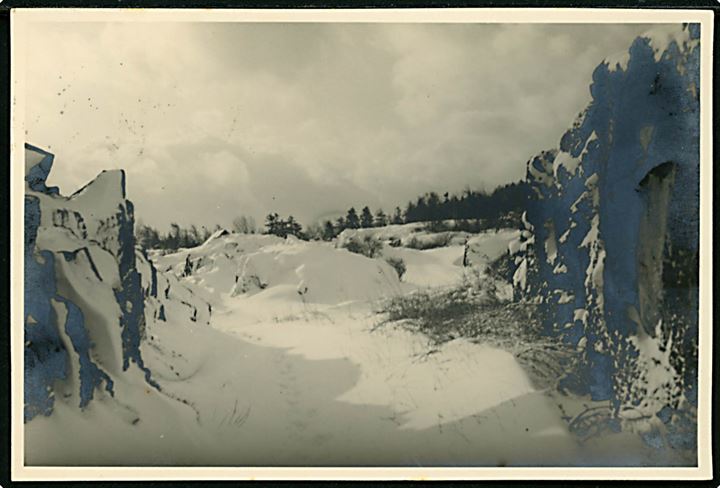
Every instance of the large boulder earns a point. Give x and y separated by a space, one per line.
610 243
84 311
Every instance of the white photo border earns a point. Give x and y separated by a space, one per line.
20 18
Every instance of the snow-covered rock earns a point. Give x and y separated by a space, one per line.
300 271
615 209
488 246
88 292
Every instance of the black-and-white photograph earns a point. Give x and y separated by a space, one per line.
392 244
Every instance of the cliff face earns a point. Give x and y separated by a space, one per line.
611 236
84 301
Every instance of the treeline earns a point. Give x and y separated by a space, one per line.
471 211
178 237
148 237
277 226
470 205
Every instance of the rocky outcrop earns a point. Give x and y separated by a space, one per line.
84 302
167 298
610 241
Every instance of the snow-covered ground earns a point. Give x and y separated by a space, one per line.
290 369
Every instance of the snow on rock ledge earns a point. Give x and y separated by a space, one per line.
84 305
614 224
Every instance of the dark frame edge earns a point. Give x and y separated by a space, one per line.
6 104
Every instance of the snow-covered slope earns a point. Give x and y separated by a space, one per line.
301 272
283 269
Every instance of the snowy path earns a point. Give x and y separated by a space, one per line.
330 392
320 388
257 404
296 373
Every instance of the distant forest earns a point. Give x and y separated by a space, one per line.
471 211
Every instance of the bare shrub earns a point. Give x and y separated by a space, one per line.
473 311
398 264
366 245
432 241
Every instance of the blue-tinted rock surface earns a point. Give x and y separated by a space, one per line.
84 301
611 240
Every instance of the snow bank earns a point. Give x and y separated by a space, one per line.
214 265
313 272
488 246
442 266
400 232
406 235
286 269
242 265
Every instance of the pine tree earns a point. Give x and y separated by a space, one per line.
272 224
366 218
433 207
410 213
397 217
328 231
351 219
173 238
381 219
340 225
292 227
147 237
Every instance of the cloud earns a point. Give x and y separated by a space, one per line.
212 120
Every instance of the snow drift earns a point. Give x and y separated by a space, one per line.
285 269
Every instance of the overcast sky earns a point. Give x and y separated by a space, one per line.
215 120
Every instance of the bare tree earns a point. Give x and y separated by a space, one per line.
244 225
